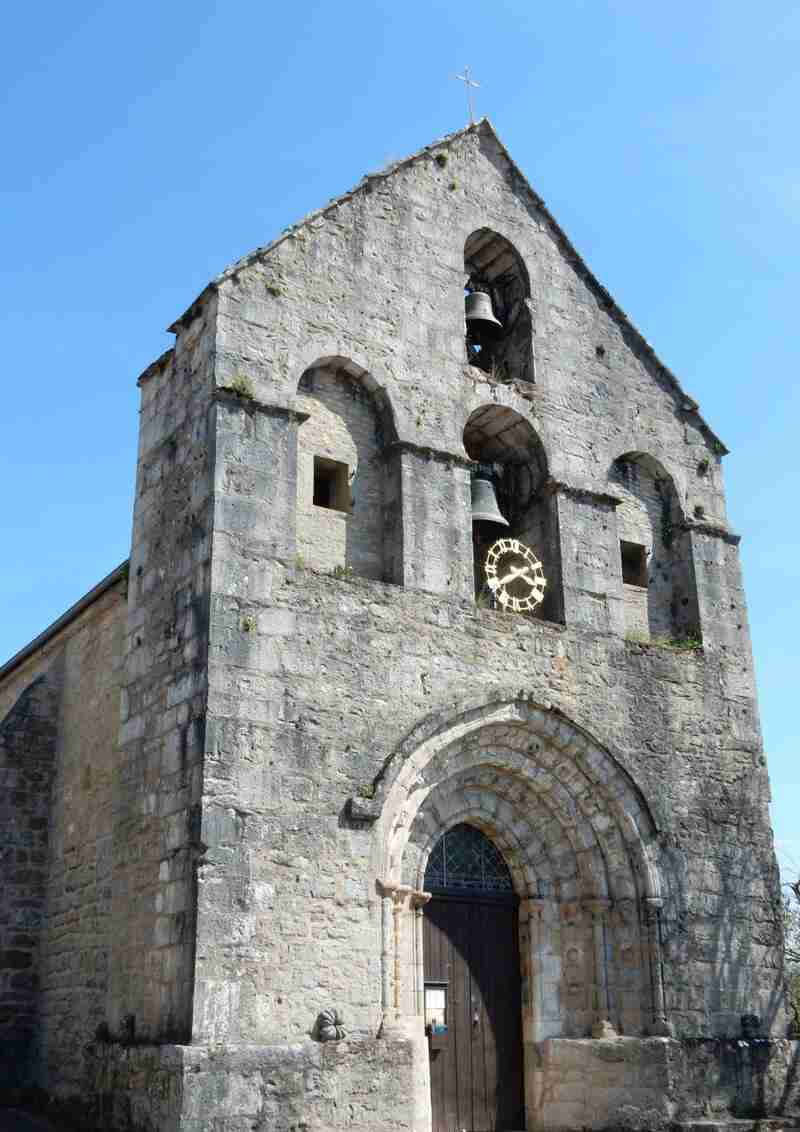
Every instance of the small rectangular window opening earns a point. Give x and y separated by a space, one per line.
331 484
634 564
436 1006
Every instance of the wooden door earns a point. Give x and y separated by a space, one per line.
471 948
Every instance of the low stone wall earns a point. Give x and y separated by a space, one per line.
308 1086
647 1084
380 1085
589 1083
755 1077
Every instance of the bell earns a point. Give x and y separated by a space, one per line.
484 501
480 316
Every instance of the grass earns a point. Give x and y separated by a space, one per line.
689 643
241 386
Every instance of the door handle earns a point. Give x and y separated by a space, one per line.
476 1019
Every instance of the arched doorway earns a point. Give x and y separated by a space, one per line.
472 986
579 840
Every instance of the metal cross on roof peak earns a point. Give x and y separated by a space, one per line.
468 83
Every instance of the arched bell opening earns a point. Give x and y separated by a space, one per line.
510 501
342 486
497 308
659 587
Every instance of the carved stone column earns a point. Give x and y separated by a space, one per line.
401 954
602 1027
402 973
532 910
660 1025
418 902
387 947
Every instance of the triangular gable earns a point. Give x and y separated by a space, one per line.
521 184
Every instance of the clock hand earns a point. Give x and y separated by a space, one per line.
516 572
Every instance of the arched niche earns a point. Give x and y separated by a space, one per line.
493 266
506 446
342 488
658 581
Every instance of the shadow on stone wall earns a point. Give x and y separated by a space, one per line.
27 754
723 924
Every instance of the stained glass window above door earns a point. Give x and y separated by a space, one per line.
464 858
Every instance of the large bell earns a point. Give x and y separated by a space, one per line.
484 501
480 316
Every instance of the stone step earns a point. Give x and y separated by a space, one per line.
23 1120
739 1124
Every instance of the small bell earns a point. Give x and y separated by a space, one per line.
484 501
480 316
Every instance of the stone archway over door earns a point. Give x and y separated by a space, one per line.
473 991
580 843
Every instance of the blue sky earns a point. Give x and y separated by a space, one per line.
147 146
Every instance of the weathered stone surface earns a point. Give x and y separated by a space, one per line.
359 1086
310 694
58 754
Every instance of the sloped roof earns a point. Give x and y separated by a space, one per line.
117 575
606 301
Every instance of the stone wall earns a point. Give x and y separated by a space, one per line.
288 913
657 1083
63 728
156 821
27 759
358 1086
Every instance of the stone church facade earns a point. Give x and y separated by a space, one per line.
304 828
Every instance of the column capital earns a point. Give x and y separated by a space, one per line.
402 894
533 905
597 905
652 906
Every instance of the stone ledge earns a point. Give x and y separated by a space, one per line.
230 396
210 1088
654 1083
738 1124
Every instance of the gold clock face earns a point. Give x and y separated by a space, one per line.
514 575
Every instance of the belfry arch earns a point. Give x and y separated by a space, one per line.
342 483
494 267
509 453
659 584
580 843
